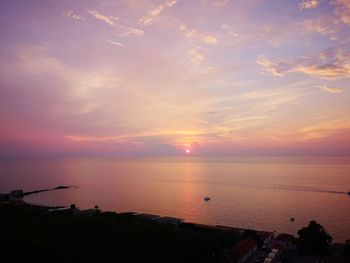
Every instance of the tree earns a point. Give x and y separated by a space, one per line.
347 248
314 239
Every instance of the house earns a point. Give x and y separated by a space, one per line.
241 251
287 241
266 237
4 197
17 194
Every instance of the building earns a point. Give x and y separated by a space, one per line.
241 251
17 194
4 197
287 241
266 237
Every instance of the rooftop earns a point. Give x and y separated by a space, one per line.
243 247
286 238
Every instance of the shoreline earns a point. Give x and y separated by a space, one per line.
53 230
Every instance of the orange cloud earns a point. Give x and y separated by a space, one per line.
330 89
329 64
309 4
117 23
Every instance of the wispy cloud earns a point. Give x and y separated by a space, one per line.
275 67
194 34
117 23
195 55
342 10
228 30
323 26
327 71
71 14
328 64
155 12
217 3
110 20
330 24
146 20
309 4
197 42
170 3
115 43
330 89
324 129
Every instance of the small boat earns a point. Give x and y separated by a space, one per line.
207 198
292 219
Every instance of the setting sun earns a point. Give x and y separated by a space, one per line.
188 151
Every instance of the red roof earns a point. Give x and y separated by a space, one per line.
243 247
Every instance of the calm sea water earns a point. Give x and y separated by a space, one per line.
249 192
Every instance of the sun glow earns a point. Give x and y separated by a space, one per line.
188 151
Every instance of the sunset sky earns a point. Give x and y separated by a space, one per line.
139 77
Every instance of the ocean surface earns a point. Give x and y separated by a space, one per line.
262 193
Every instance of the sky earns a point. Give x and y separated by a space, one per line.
157 78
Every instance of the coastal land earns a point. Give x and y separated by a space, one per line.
32 233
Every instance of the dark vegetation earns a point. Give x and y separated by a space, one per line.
32 234
347 248
314 239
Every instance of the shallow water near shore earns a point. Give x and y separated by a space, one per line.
250 192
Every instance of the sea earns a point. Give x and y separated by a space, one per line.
262 193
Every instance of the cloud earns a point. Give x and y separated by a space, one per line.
228 30
109 20
309 4
146 20
330 89
117 23
170 3
72 15
195 55
194 34
115 43
327 71
324 129
342 10
217 3
273 67
323 26
332 63
330 24
155 12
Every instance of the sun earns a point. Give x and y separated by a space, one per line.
188 151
